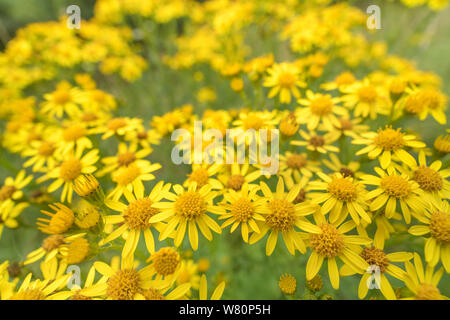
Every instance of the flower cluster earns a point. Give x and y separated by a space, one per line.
360 185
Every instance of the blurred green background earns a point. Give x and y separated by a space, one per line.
417 34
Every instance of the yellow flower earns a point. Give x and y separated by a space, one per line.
393 188
202 174
165 263
126 282
87 292
287 284
284 78
382 263
423 282
320 108
188 209
341 81
239 176
131 178
317 142
64 99
119 127
431 179
11 190
38 289
347 170
134 218
365 99
442 144
126 155
71 167
343 195
281 217
244 208
329 241
52 246
42 154
437 224
59 222
387 143
9 214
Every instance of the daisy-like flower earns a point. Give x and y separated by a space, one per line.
431 179
437 225
342 81
52 246
203 174
65 174
134 218
166 263
96 99
343 195
119 127
203 290
188 209
131 178
8 216
296 165
376 257
238 176
65 99
74 136
423 283
282 215
320 108
38 289
387 143
42 154
126 155
255 121
329 241
284 78
244 208
393 188
366 99
316 142
126 282
11 190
